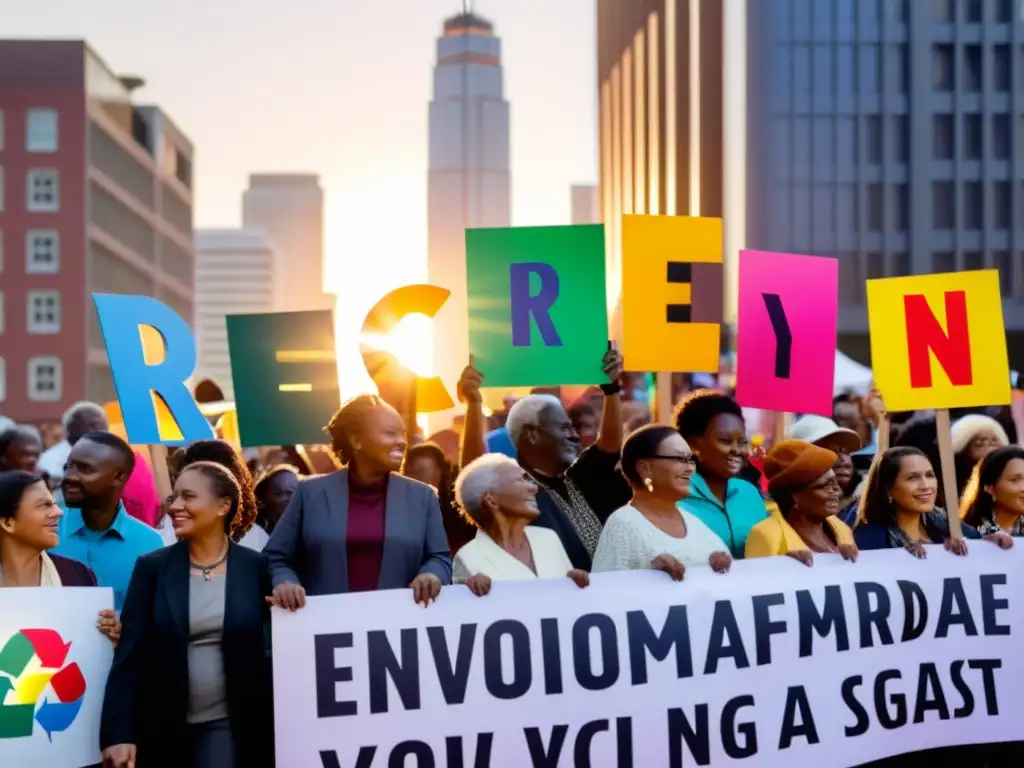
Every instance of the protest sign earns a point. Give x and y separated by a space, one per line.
285 375
770 665
938 341
143 383
671 293
537 309
53 671
786 341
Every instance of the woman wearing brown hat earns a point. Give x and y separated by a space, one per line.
803 483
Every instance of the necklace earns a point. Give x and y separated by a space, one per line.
205 569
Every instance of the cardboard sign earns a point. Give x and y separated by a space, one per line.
537 309
140 381
938 341
786 340
671 293
285 374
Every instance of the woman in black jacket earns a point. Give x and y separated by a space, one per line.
190 686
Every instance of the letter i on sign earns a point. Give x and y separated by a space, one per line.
938 341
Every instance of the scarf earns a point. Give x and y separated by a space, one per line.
578 510
48 576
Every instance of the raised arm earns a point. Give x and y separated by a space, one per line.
611 434
474 432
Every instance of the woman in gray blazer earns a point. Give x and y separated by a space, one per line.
363 527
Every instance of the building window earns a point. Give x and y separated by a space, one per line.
945 11
974 75
901 138
974 205
43 191
900 264
1004 11
1002 67
943 71
900 58
41 130
943 205
1001 138
875 266
43 312
974 260
876 207
974 140
943 137
42 252
1001 261
944 261
1002 205
45 379
874 139
901 207
973 12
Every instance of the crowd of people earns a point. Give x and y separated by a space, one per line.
538 491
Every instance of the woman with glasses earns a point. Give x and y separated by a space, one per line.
802 480
654 530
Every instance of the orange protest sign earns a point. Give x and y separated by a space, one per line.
671 293
937 341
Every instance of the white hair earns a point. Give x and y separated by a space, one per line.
83 406
480 477
527 412
6 424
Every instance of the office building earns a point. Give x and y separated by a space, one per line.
289 207
234 276
469 181
95 197
586 204
879 132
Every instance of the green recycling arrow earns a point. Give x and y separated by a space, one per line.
16 655
15 719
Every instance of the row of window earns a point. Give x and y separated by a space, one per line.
973 11
42 252
944 70
944 132
823 18
41 130
42 190
853 272
45 379
42 310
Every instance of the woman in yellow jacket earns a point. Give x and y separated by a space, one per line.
801 480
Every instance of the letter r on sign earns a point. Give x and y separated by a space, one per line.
951 347
525 304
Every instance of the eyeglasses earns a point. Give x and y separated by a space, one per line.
687 458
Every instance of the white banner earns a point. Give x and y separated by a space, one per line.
53 671
773 664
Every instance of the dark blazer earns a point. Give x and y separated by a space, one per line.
308 545
73 573
147 691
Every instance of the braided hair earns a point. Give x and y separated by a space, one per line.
348 421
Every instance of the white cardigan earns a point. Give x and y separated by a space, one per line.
483 555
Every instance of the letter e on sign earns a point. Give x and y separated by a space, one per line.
938 341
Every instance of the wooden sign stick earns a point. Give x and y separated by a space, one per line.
945 436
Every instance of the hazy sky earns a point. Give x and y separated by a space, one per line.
340 87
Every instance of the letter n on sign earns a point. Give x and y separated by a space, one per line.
937 341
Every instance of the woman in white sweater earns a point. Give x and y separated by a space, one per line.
652 531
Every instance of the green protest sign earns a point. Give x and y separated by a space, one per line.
285 374
537 311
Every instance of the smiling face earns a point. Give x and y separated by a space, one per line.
93 472
35 522
916 485
195 508
1008 490
671 469
723 447
820 499
513 494
843 468
379 443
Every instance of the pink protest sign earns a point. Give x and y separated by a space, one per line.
786 332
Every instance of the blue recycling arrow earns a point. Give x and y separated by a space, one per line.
56 717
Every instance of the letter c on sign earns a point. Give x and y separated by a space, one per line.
383 367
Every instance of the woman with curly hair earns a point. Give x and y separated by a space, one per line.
364 527
427 463
242 530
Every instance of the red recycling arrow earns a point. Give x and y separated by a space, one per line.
49 647
68 684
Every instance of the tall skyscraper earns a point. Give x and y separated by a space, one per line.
469 183
95 197
289 207
586 204
879 133
234 276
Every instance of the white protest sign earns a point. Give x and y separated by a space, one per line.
773 664
53 671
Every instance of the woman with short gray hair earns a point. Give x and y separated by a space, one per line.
499 498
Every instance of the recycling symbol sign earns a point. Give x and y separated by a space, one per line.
37 685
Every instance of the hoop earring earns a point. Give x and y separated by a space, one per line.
649 484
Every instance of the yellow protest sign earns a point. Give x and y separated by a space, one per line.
937 341
671 293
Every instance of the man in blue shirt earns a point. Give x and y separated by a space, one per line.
96 529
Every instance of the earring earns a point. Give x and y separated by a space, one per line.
890 498
649 484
